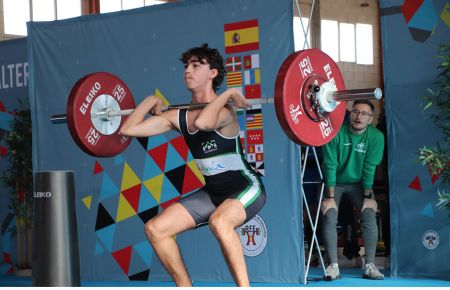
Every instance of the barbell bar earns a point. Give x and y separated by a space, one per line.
336 96
105 113
309 100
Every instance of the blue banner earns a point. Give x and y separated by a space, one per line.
117 195
13 95
411 32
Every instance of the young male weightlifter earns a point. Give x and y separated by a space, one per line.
233 193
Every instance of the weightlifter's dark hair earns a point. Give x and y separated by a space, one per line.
367 102
205 54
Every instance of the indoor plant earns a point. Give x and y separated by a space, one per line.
437 157
19 179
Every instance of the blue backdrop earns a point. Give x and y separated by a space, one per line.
411 32
13 95
115 196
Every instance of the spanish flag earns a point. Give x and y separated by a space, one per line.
241 36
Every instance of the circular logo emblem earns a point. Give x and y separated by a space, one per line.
253 235
430 239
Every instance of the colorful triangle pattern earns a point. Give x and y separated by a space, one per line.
173 159
415 184
181 147
141 276
87 201
124 209
146 200
108 187
169 172
132 195
150 168
159 155
104 219
123 257
154 186
428 211
106 236
97 168
129 178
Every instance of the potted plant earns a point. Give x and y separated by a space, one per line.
437 157
19 179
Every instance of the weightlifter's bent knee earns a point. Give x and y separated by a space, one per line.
152 232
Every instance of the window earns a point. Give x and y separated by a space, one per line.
17 12
347 41
299 33
67 8
364 43
44 10
329 38
118 5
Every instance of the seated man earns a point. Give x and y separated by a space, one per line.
349 163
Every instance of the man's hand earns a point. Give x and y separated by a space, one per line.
328 203
369 203
238 99
156 110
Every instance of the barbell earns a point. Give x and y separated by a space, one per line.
309 101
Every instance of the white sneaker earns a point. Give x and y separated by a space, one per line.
371 272
332 272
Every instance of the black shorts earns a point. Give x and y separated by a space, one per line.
201 204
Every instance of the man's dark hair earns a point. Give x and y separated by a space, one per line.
205 54
367 102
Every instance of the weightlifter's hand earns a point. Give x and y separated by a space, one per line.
238 99
157 105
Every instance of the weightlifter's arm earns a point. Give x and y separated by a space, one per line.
215 115
136 125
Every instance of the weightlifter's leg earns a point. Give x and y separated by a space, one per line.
160 231
229 215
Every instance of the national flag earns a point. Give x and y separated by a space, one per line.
241 36
255 137
242 139
254 121
234 79
252 76
233 63
253 91
259 148
251 61
260 167
251 157
259 156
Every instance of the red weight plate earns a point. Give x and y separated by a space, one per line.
79 104
295 74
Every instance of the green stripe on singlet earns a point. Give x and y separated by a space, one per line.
247 190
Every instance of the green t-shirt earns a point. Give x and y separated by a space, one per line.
352 158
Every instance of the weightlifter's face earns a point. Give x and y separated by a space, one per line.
361 116
197 74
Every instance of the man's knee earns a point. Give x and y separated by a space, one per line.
330 215
219 224
152 230
368 215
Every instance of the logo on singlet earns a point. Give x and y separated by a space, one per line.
209 146
253 235
430 239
